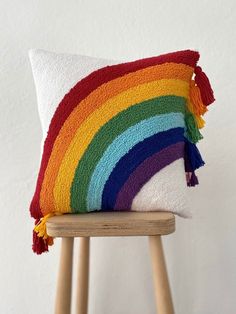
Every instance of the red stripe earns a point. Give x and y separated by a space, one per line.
83 88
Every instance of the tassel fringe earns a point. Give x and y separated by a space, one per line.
200 122
200 96
192 132
193 180
192 161
192 157
39 245
41 240
204 85
195 96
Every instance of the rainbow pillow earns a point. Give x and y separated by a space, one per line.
117 136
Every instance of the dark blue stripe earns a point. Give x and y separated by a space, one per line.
129 162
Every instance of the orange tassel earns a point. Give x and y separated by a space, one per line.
195 97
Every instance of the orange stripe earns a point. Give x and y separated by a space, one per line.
90 104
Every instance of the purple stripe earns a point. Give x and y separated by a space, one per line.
145 171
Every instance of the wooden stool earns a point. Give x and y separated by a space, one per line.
100 224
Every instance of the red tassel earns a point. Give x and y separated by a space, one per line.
204 85
40 245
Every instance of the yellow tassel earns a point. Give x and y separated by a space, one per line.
196 100
41 229
200 122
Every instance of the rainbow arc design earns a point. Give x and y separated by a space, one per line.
114 130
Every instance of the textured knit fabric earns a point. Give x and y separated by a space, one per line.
118 133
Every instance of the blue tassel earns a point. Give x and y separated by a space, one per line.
193 159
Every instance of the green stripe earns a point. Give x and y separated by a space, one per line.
106 135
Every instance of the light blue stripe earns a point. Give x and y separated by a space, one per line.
121 145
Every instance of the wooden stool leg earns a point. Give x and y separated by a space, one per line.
162 289
64 281
83 277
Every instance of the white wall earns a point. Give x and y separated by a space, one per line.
201 255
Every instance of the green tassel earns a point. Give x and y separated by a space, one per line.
192 132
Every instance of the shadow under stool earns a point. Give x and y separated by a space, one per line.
108 224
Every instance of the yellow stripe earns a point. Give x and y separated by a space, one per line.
96 120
